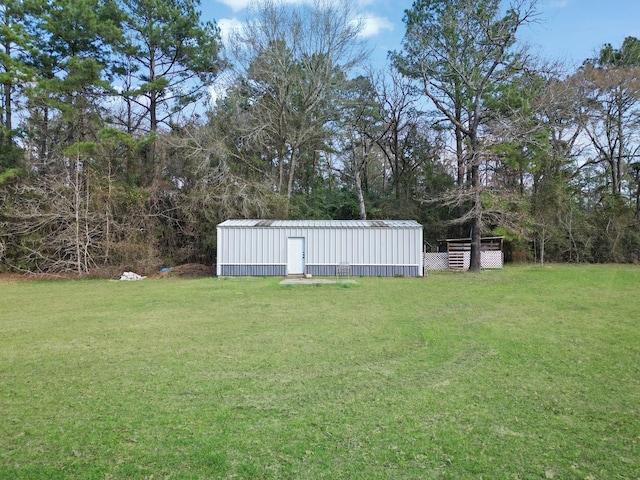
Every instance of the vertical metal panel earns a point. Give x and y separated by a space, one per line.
218 248
366 248
418 249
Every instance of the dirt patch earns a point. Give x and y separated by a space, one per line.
315 281
189 270
10 277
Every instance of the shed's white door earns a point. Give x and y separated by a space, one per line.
295 256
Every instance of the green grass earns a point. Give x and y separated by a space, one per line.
524 373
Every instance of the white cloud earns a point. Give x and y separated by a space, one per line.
237 5
220 87
372 25
227 27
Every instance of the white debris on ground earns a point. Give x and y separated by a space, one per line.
131 276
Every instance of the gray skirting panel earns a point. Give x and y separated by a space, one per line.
366 270
319 270
253 270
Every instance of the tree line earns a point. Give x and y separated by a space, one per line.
114 153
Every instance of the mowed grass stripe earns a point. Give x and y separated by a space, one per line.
527 372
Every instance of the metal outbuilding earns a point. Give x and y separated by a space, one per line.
319 247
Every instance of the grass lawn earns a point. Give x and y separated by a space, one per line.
523 373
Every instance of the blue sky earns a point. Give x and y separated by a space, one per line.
568 30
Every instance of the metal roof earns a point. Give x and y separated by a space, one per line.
321 223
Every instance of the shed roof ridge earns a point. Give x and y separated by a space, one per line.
319 223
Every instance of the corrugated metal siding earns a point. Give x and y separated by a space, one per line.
373 249
251 246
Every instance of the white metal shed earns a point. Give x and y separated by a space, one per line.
318 247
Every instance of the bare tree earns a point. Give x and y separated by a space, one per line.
403 126
459 51
612 87
291 60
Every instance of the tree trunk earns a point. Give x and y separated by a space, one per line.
7 140
476 223
358 180
107 229
361 205
153 111
76 208
638 201
617 173
43 144
396 163
459 148
8 127
292 171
